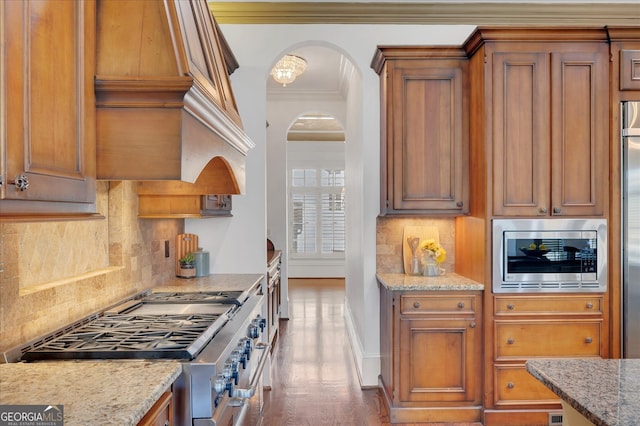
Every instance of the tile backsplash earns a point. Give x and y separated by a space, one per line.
389 241
54 273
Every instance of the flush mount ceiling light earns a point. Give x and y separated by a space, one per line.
288 68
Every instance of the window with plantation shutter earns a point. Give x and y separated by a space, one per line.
316 212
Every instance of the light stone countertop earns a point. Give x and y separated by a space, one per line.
92 392
213 282
447 282
605 391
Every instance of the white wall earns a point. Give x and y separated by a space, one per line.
237 244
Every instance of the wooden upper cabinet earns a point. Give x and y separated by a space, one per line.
424 124
550 126
48 134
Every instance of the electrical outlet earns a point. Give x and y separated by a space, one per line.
166 248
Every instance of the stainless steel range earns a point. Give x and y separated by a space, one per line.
219 336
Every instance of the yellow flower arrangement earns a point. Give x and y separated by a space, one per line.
434 250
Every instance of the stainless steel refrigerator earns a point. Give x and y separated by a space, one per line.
631 229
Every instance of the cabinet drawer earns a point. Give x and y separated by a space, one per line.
630 70
441 304
514 385
548 305
526 339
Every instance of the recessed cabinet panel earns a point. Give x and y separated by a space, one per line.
427 156
630 69
521 138
436 367
579 133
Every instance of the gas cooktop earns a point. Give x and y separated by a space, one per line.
227 297
124 336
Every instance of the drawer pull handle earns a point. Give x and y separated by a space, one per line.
511 340
511 306
511 385
589 305
416 305
472 324
460 305
588 340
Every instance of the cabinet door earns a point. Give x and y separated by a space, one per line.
439 360
48 99
520 133
580 132
205 58
427 153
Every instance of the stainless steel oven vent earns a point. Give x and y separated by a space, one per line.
555 418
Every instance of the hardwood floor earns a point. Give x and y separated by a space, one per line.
315 380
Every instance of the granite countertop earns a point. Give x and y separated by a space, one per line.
214 282
92 392
605 391
446 282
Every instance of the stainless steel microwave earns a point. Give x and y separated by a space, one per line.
549 255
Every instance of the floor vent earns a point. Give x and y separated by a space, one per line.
555 419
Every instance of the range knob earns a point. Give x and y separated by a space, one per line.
247 346
253 331
222 384
238 356
230 371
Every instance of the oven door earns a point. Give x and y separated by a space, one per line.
245 406
250 413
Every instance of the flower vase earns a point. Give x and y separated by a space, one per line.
432 268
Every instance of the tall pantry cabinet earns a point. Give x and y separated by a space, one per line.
539 140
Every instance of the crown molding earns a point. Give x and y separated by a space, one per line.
434 13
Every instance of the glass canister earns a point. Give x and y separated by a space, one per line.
202 262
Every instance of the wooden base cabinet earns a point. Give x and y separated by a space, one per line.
539 326
161 414
431 355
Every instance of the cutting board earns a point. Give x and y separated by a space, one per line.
422 232
185 243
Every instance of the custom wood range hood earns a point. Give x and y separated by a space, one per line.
165 109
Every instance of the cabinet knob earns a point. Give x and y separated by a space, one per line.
589 305
472 324
416 305
459 204
21 182
460 305
542 210
557 210
511 306
511 385
588 340
511 340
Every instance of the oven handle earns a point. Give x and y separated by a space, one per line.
243 394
